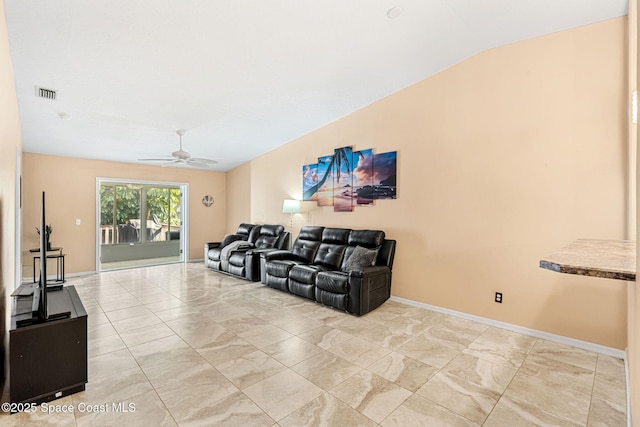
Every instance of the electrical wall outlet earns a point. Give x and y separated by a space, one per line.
498 297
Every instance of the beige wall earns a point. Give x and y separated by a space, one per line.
239 206
502 159
633 320
70 186
10 145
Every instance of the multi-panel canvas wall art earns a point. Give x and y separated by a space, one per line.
350 178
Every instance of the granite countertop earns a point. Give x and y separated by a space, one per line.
610 259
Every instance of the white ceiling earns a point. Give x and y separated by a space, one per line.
241 76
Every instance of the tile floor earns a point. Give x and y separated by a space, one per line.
181 345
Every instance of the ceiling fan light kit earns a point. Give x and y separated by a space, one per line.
182 157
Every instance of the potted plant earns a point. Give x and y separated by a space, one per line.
48 229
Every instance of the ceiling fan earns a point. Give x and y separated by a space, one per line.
182 157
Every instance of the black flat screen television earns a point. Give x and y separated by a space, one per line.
39 304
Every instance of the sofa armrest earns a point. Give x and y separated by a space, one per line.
366 271
279 255
230 238
368 288
252 262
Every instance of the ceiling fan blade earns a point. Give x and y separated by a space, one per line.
203 161
182 158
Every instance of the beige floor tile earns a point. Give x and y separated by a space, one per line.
371 395
183 311
564 353
351 324
380 316
105 365
558 401
288 321
427 317
249 369
560 373
291 351
119 304
359 351
282 394
458 337
501 346
325 336
610 388
406 325
166 304
137 322
264 335
328 411
326 370
115 388
404 371
164 351
147 409
226 348
146 334
610 366
233 411
480 372
98 346
126 313
56 413
417 411
605 414
97 317
460 396
100 330
426 351
155 296
384 337
187 400
512 413
199 334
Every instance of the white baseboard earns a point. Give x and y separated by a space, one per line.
585 345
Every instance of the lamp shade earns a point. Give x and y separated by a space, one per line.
291 206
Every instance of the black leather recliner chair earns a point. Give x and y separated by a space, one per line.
239 253
346 269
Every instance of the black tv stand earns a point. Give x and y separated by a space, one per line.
26 289
48 360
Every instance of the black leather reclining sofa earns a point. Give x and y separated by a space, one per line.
346 269
239 254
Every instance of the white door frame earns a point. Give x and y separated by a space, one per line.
184 214
18 221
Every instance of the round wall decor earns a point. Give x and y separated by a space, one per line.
207 200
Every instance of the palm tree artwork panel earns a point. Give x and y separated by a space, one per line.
350 178
325 184
362 176
310 181
343 179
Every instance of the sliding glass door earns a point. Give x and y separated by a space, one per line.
140 223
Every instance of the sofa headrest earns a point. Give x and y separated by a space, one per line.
266 242
310 232
245 229
336 236
271 230
255 233
366 238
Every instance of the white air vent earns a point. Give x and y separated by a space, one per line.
46 93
